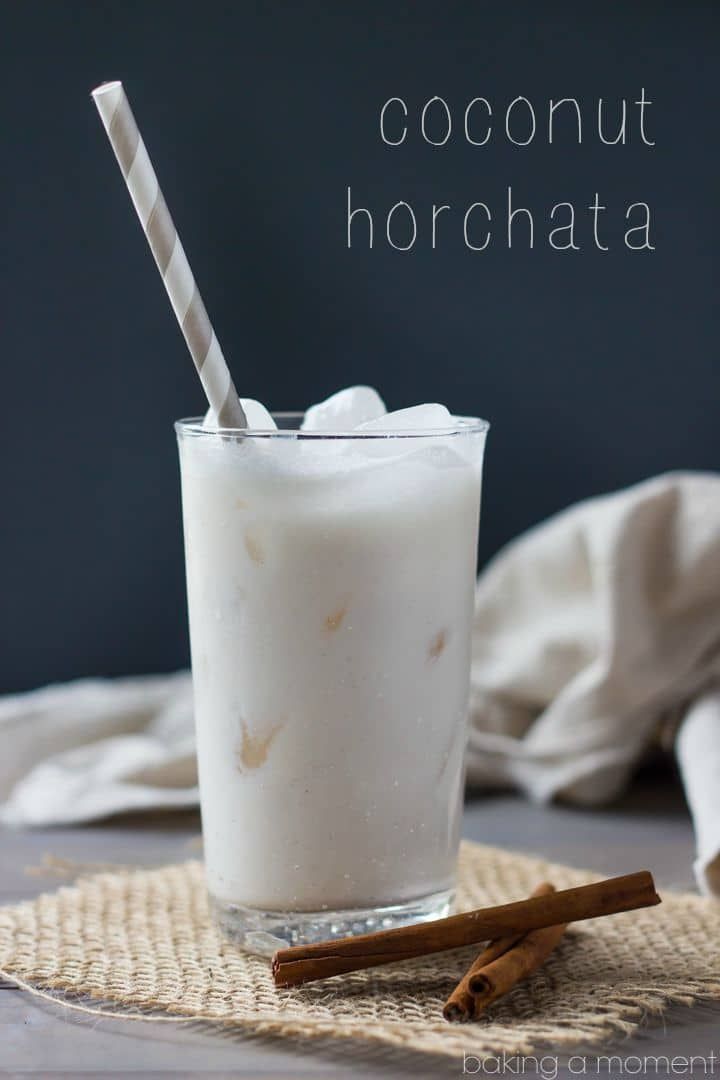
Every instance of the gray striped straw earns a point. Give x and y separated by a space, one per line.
135 165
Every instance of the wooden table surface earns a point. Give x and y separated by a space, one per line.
649 827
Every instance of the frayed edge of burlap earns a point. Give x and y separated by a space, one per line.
618 1020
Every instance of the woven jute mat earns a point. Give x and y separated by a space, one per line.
140 943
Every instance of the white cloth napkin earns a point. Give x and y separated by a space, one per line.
698 754
94 747
591 631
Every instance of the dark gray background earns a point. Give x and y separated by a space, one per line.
596 369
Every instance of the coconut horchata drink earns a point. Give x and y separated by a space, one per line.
330 570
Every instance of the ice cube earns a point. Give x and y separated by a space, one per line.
258 418
416 418
345 410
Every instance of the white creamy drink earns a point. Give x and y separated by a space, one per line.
330 588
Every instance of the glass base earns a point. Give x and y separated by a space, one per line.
262 932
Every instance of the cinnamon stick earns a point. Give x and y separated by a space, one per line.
499 977
305 963
461 1003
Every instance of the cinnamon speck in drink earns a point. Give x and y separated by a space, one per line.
253 749
334 620
254 548
437 645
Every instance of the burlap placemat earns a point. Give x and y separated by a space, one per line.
143 939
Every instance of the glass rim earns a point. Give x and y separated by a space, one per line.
461 425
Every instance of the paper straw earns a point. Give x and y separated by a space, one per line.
135 165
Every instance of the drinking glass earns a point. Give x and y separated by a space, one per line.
330 581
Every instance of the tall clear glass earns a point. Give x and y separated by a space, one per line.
330 588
